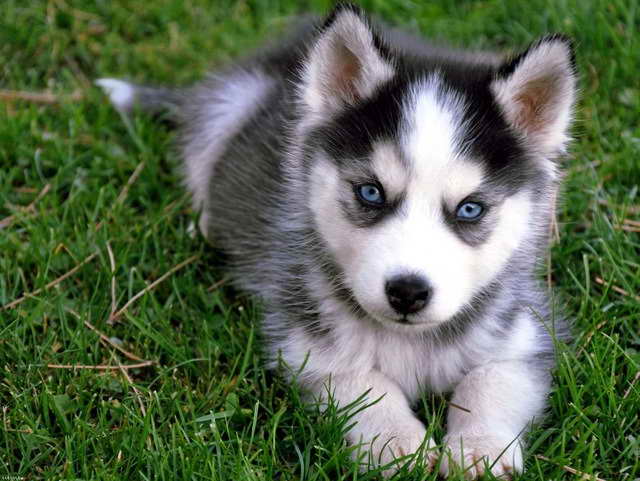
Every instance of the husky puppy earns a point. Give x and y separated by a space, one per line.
390 202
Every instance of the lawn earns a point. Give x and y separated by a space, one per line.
97 268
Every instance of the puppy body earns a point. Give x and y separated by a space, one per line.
279 151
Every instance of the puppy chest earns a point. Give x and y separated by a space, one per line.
420 366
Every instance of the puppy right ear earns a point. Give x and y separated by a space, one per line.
537 91
347 63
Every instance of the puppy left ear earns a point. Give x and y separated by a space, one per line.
347 63
537 90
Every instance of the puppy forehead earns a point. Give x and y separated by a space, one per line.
432 140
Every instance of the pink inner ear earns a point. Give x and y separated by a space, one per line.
348 68
534 104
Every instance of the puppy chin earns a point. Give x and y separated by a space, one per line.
396 322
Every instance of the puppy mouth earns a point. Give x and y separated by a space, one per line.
397 321
407 322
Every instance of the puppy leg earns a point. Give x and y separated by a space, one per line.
387 429
503 398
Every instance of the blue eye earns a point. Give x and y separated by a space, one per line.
470 211
370 194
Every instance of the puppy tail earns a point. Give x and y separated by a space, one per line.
127 96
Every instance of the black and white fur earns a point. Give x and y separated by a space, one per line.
272 150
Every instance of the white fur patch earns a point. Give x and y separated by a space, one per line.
432 122
502 398
387 430
121 93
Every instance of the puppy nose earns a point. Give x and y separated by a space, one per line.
408 294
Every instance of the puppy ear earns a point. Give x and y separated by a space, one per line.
536 91
347 63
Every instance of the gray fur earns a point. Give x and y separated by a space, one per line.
254 170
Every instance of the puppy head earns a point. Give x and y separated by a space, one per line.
427 178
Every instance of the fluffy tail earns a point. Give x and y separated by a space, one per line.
127 96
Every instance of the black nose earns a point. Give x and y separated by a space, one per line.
408 294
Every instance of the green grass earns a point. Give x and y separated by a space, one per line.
207 409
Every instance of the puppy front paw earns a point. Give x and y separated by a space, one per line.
393 445
476 455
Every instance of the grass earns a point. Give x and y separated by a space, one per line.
205 408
